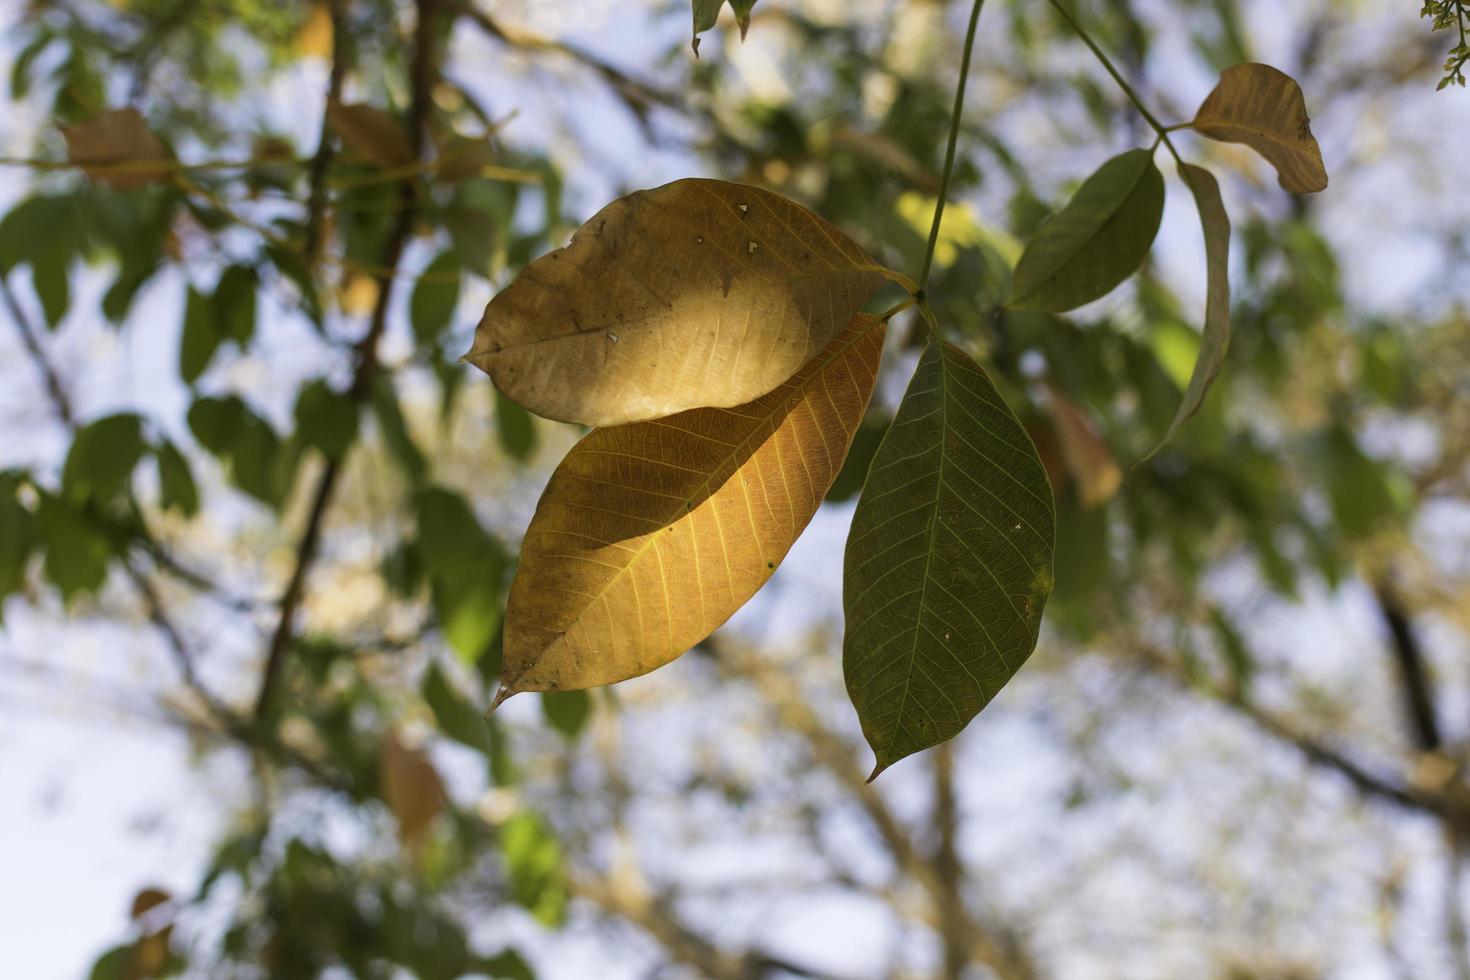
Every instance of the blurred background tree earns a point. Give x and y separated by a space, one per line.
257 523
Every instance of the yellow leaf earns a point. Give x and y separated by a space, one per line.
411 787
373 133
651 535
118 149
700 293
1264 108
314 39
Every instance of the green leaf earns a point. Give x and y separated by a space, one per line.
706 12
516 428
49 276
175 481
1215 340
949 560
215 422
76 552
566 711
17 537
234 303
102 457
865 442
507 965
35 226
435 296
326 419
201 337
466 568
1099 239
456 717
393 429
534 864
1362 500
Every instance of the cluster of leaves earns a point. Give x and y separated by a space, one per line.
714 334
1451 15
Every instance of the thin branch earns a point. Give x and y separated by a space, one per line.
948 871
423 72
153 603
1453 811
31 338
954 136
1107 63
321 162
1419 705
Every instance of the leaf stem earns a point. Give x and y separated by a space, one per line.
954 135
1133 97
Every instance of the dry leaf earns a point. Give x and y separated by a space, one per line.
1088 459
411 788
700 293
1264 108
373 133
649 536
118 149
149 899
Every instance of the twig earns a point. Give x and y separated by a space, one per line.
367 362
322 160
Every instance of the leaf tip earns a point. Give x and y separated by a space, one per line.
878 770
501 696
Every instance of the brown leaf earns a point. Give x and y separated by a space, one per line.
118 149
463 158
1264 108
373 133
149 899
700 293
1088 459
411 787
651 535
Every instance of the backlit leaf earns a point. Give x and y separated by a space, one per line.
1099 239
1264 108
696 294
374 134
1215 340
535 866
650 536
118 149
949 560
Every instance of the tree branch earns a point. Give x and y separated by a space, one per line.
321 162
1409 655
423 69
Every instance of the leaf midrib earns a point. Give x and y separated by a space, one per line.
799 391
1107 223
